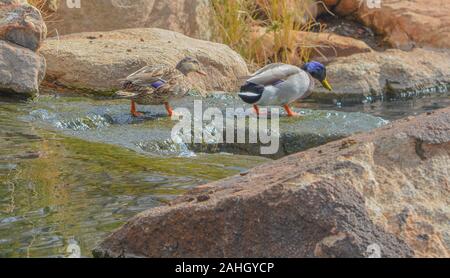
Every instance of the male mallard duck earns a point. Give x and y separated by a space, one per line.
158 84
282 84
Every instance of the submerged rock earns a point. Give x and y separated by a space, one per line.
190 17
94 62
22 24
379 194
311 129
394 73
21 70
109 121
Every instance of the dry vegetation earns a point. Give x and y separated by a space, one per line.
251 27
46 8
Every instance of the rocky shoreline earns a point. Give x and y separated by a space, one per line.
384 193
391 74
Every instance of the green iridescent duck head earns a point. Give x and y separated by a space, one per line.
319 72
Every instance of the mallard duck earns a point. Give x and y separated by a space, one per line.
158 84
281 84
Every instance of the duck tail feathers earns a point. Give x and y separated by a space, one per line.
125 84
250 98
251 93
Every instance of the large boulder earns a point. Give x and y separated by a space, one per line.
379 194
190 17
394 73
404 24
22 24
21 70
94 62
342 7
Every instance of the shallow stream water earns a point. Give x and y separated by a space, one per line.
73 169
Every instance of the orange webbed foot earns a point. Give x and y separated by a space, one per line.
289 111
137 114
169 109
134 112
258 111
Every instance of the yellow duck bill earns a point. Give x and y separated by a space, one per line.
327 85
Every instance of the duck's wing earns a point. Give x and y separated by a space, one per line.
273 73
148 76
269 67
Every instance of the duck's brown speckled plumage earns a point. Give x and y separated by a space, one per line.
139 85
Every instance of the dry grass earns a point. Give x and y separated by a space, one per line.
44 7
48 10
264 31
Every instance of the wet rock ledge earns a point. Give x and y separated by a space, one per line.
379 194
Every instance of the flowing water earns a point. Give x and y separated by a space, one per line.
74 169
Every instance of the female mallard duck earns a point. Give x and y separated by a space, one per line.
282 84
158 84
